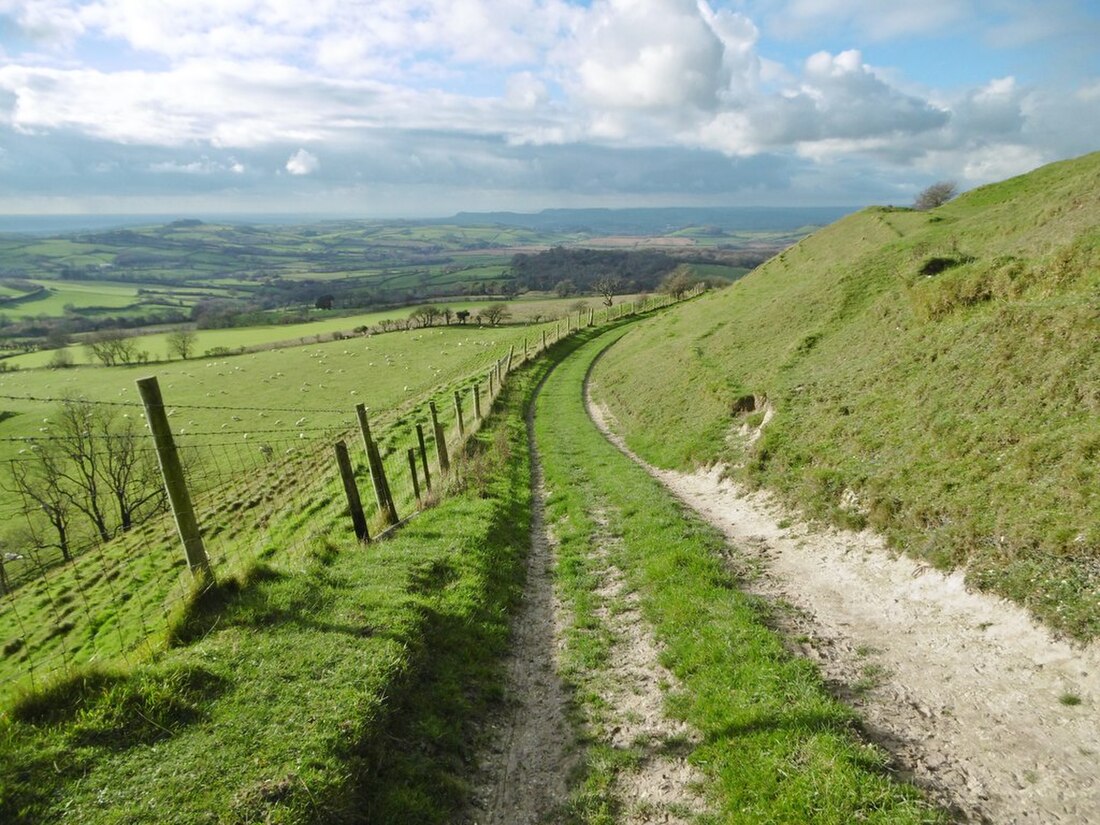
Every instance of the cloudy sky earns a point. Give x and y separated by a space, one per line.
426 107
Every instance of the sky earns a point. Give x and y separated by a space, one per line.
422 108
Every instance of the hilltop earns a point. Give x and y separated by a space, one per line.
933 375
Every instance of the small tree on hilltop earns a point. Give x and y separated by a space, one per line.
936 195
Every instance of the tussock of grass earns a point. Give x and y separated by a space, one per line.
953 406
775 746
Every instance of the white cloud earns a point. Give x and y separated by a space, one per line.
54 23
648 55
302 163
202 166
247 82
525 91
839 104
999 161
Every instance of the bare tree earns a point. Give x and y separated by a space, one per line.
564 288
608 286
79 444
112 346
94 465
42 485
182 343
495 313
936 195
426 315
129 471
678 281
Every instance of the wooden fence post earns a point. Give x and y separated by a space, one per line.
544 340
174 481
355 504
525 350
591 316
477 401
511 353
440 441
412 471
490 386
458 415
377 471
424 456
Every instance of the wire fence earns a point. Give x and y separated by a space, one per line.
96 573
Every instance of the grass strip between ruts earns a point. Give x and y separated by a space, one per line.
775 747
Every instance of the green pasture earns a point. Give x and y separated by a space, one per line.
522 310
77 294
382 371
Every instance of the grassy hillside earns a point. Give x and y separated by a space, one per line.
933 375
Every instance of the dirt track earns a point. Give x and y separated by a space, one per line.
969 694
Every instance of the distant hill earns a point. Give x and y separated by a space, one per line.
655 221
935 375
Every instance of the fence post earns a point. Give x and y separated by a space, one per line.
377 471
490 386
174 481
424 456
544 340
458 415
355 504
591 316
511 352
412 470
525 350
440 441
477 401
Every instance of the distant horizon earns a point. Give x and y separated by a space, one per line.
48 222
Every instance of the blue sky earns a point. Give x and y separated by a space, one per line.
427 107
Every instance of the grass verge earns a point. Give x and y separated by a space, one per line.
775 747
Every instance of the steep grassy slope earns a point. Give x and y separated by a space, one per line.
935 375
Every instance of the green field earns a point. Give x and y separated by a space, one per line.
76 295
523 310
256 433
935 376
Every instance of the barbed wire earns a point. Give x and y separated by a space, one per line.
182 433
173 406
